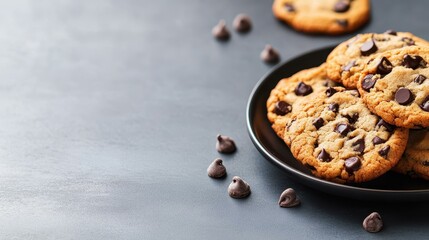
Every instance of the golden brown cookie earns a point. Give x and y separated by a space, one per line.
338 138
394 86
282 100
347 60
323 16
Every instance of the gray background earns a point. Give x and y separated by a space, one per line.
109 112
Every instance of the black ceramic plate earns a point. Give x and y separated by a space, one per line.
389 187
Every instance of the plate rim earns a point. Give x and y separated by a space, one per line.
311 181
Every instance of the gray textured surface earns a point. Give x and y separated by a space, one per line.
109 112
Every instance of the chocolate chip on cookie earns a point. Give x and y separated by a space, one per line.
369 47
342 6
282 108
303 89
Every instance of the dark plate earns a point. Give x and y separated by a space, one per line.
389 187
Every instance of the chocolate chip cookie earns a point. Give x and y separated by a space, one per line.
323 16
347 60
415 160
281 102
394 86
338 138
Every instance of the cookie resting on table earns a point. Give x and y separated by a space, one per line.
323 16
394 86
348 59
339 139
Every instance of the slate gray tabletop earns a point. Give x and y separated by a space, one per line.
109 113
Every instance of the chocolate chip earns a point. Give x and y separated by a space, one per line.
425 105
368 82
242 23
324 156
318 122
359 145
373 223
282 108
413 62
368 47
388 126
376 140
216 169
342 6
330 91
225 144
408 41
342 22
352 164
425 163
289 7
288 198
343 129
391 32
384 151
403 96
419 79
303 89
238 188
348 66
384 66
333 107
270 55
353 118
220 31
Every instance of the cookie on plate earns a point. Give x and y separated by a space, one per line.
282 100
338 138
347 60
323 16
415 160
394 86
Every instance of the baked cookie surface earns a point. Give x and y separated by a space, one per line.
284 98
338 138
323 16
348 59
394 85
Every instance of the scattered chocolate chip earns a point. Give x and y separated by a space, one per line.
353 118
330 91
419 79
391 32
348 66
373 223
303 89
288 198
403 96
225 144
368 82
343 129
318 122
384 151
324 156
352 164
216 169
342 22
359 145
368 47
282 108
413 62
425 105
289 7
384 66
220 31
270 55
408 41
333 107
376 140
238 188
385 124
342 6
242 23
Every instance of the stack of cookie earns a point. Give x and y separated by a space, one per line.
348 120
